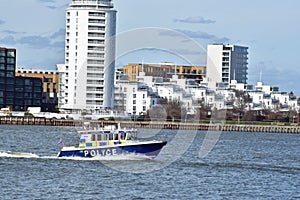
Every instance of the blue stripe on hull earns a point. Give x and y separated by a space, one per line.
151 149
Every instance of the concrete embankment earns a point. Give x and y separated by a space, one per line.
152 125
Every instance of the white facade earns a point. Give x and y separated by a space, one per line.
226 63
134 98
138 97
87 77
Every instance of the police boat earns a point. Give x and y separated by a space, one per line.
111 141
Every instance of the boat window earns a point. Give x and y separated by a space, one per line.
105 137
111 136
129 136
99 137
93 137
123 136
116 136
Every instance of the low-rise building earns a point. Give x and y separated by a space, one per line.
165 70
134 98
50 86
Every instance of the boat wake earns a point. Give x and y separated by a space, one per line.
11 154
127 157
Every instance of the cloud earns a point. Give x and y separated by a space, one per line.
195 20
196 35
53 3
47 1
2 22
186 52
52 7
268 72
10 40
35 41
58 45
60 33
13 32
204 35
58 7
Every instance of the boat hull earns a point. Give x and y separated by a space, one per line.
150 149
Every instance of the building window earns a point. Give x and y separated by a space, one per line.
48 87
48 80
10 74
2 53
10 81
11 53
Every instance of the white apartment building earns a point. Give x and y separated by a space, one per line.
134 98
87 77
268 89
226 63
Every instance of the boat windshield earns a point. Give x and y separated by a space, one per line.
103 138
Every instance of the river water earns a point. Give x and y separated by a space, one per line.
240 166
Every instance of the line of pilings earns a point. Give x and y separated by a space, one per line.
36 121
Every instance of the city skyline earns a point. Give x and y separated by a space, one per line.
267 28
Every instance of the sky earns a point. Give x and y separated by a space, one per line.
168 31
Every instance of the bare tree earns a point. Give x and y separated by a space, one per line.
175 110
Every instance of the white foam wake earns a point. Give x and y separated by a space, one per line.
125 157
11 154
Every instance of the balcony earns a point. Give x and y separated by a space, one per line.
96 76
95 89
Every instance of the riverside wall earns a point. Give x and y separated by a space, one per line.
151 125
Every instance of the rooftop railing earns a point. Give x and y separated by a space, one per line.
92 2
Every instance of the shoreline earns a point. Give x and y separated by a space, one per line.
152 125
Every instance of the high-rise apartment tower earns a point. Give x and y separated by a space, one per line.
87 77
226 63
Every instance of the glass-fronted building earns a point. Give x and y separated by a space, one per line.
50 86
17 93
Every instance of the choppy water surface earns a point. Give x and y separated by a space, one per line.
241 166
